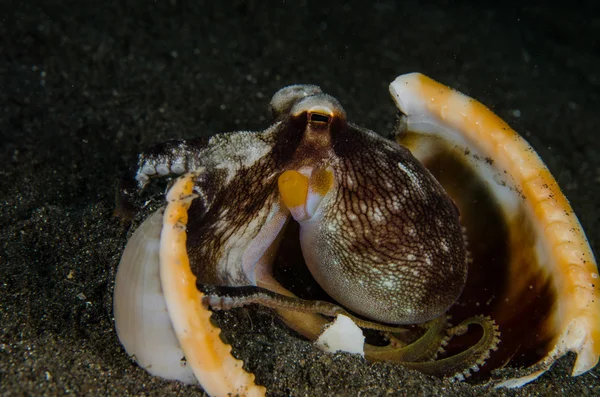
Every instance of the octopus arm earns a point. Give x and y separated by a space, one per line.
164 159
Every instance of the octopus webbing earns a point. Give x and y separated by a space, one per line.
455 215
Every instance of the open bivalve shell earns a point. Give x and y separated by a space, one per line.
532 269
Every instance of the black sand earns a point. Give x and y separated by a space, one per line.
85 88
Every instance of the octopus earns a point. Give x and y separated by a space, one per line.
452 221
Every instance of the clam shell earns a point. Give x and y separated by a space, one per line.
210 359
159 315
547 248
142 320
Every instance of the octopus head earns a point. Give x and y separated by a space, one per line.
377 231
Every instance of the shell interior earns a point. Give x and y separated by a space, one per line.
533 270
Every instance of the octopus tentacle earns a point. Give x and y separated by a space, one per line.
168 158
418 355
277 301
460 366
424 348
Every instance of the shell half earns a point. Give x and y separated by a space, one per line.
548 298
169 333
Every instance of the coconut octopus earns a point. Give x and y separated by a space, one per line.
454 217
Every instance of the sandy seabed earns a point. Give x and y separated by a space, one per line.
88 85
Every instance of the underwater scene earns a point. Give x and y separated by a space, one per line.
299 199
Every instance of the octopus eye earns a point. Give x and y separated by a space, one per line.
319 118
319 109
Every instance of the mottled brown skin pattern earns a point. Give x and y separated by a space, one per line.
229 211
393 249
250 191
386 241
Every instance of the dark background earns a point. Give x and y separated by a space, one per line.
87 85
